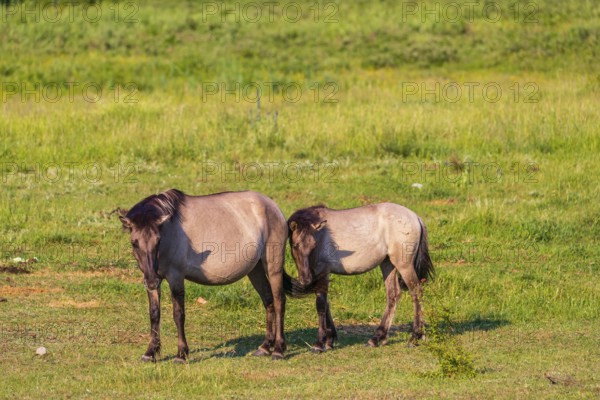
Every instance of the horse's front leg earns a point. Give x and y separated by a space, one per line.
178 298
154 312
323 333
331 331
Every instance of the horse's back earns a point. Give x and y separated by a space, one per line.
248 206
227 234
402 229
365 235
377 218
396 213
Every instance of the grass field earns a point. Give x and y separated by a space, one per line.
484 122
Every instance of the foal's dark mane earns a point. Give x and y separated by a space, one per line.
148 212
306 217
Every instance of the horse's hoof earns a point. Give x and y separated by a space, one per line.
328 347
317 349
260 352
371 343
414 341
179 360
146 358
276 356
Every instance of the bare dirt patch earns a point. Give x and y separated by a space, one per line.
20 291
129 275
15 269
70 303
443 202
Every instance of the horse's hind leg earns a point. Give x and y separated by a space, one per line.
272 261
392 291
261 284
409 276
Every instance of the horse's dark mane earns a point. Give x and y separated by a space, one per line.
307 216
148 212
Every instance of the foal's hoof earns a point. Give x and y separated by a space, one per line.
372 343
276 356
146 358
260 352
328 347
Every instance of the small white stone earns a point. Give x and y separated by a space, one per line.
41 351
201 300
417 185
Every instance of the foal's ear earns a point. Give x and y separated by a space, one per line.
318 226
293 225
126 222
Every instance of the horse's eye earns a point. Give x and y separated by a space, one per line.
134 243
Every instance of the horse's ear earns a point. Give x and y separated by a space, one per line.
320 225
293 226
126 222
162 219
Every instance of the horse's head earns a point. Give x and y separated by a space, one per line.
144 241
143 222
303 240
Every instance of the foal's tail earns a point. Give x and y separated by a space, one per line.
423 265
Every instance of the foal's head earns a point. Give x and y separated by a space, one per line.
304 231
143 222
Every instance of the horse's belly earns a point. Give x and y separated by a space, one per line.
223 265
357 263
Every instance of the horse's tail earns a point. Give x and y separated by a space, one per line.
293 288
423 264
289 283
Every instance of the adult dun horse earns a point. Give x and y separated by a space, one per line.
211 240
354 241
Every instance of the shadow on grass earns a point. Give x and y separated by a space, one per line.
300 340
477 324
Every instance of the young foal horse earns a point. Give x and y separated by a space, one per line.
354 241
211 240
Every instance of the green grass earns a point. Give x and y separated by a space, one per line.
509 195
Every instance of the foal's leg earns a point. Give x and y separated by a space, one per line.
392 292
261 284
178 299
154 313
409 276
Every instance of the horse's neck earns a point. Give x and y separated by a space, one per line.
173 240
